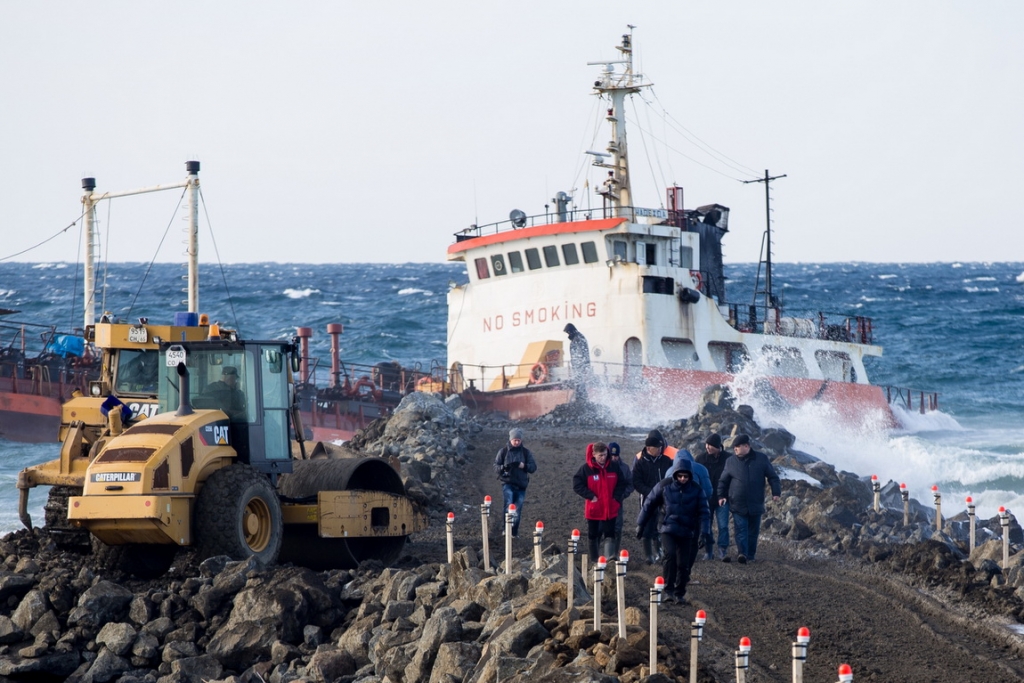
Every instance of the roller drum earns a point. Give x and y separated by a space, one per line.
303 546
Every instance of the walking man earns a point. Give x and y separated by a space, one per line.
714 459
514 464
651 466
686 519
603 487
742 487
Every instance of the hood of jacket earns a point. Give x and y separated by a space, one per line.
592 462
681 465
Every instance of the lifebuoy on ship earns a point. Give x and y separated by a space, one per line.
538 373
695 274
422 382
365 387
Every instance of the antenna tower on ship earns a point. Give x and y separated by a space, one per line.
766 251
616 85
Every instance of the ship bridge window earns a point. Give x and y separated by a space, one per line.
482 271
646 254
569 254
619 250
498 263
836 366
533 259
681 353
658 285
785 361
589 252
515 261
551 256
728 357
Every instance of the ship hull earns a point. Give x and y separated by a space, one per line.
29 418
659 389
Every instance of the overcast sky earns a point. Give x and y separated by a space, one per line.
372 131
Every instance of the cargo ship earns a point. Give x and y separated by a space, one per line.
629 303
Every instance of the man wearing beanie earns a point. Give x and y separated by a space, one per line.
714 458
650 467
514 464
742 486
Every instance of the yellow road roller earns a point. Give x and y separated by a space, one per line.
218 468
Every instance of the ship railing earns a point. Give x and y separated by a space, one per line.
384 382
904 397
32 368
569 216
823 325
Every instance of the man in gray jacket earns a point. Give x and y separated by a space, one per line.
742 487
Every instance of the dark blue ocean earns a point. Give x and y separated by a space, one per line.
957 329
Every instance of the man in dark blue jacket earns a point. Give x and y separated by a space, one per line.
742 487
514 464
687 518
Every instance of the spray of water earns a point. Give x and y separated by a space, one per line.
921 452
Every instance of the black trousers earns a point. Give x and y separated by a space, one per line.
679 554
597 531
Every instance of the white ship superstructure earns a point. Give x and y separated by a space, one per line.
646 288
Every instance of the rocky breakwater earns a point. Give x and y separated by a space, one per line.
65 615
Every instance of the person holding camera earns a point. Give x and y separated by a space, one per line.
514 464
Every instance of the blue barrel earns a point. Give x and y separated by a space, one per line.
186 319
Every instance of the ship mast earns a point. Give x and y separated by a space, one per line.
616 85
90 198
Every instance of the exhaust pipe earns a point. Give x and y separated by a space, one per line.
184 402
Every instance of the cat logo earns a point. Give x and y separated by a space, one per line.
220 434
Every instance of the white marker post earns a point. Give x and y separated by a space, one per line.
574 549
485 513
584 561
1004 521
659 587
538 533
876 486
803 636
598 581
938 507
620 587
743 660
906 504
696 635
845 673
972 525
450 527
510 519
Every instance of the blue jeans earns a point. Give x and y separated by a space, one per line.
511 494
721 516
748 527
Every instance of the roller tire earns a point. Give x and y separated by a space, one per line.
238 514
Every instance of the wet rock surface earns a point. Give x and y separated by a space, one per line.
897 601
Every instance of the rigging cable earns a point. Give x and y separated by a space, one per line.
647 154
220 263
106 258
36 246
150 266
696 141
595 116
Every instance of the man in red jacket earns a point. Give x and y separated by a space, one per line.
603 487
